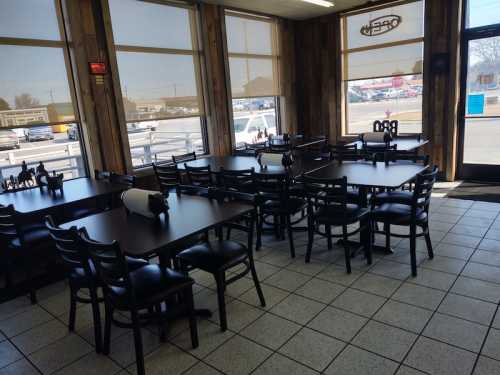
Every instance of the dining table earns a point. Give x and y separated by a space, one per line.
405 144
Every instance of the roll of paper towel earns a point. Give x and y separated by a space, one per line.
268 159
376 137
138 201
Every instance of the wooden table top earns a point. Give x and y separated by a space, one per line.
77 190
367 174
142 237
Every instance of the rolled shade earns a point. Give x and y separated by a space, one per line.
252 77
249 36
385 62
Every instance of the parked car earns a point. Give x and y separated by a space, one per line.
73 133
39 133
8 140
378 96
253 128
393 94
135 127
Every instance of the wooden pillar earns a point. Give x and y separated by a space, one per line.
442 82
219 112
100 118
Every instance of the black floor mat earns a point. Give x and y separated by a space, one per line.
478 191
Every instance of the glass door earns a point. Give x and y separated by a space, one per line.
480 105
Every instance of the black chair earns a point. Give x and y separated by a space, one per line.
168 176
413 215
250 149
328 206
236 180
344 152
23 243
184 157
133 291
123 179
198 176
218 256
279 147
81 273
276 199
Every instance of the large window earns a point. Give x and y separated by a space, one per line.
253 66
38 115
382 65
158 61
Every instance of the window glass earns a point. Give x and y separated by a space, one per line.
382 67
482 13
254 119
147 24
165 86
32 19
388 25
161 92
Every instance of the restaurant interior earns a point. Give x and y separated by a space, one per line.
267 187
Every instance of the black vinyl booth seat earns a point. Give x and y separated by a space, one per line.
22 242
146 288
413 214
328 206
81 273
218 256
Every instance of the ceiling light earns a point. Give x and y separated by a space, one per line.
323 3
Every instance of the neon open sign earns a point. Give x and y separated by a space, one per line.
381 25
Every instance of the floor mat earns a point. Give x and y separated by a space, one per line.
475 190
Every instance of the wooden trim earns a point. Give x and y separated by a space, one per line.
166 51
32 42
251 15
381 4
251 56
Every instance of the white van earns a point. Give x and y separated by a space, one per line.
253 128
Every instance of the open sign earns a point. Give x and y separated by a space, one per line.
381 25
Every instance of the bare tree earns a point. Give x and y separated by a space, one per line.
26 101
487 53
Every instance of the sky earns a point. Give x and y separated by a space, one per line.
41 72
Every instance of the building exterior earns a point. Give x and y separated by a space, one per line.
19 117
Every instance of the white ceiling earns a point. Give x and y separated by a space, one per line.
294 9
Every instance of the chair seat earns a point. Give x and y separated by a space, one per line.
398 214
151 284
34 236
291 206
214 255
79 280
336 216
397 196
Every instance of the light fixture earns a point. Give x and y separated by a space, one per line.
322 3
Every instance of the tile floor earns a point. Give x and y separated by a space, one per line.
376 321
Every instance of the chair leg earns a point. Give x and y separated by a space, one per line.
347 250
228 234
387 230
428 241
32 286
310 239
328 230
369 243
276 223
139 355
219 279
97 320
413 250
290 235
260 228
188 297
72 310
257 283
107 328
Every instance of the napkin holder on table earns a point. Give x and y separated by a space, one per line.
267 159
147 203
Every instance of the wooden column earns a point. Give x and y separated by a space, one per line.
442 82
97 102
218 99
287 76
317 41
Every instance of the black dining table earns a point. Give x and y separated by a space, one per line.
141 237
402 144
302 164
36 200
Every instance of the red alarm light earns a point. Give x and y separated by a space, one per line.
97 68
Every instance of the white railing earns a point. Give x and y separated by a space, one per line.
63 158
147 147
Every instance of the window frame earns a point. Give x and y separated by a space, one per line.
274 57
199 72
344 53
65 44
